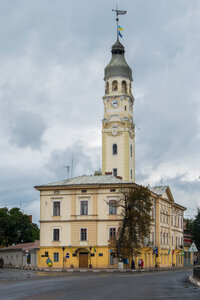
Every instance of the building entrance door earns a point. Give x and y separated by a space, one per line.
83 260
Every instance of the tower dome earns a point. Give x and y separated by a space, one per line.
118 65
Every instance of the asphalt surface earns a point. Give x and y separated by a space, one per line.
32 285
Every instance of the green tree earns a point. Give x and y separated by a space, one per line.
195 229
5 227
16 227
136 220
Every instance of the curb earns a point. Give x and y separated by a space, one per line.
194 281
95 270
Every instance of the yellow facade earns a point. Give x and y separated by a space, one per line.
69 250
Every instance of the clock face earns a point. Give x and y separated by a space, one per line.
114 103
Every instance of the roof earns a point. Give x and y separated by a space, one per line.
118 65
24 246
159 190
86 180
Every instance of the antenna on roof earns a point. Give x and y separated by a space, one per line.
67 167
72 167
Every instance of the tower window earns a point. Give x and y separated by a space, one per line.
115 172
125 107
107 88
131 174
131 150
114 149
114 85
124 87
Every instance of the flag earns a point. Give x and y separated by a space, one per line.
169 252
120 28
120 34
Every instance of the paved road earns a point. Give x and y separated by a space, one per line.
31 285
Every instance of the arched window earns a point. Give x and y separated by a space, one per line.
131 150
114 85
130 87
114 150
124 87
107 88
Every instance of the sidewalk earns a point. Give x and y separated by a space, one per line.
194 281
99 270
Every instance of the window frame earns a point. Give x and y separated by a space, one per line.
56 257
115 172
114 149
56 214
112 230
86 234
112 207
83 203
56 240
114 87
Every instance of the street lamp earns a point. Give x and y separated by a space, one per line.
63 249
90 257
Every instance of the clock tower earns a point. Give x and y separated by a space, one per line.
118 137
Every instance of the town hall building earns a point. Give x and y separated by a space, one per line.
79 216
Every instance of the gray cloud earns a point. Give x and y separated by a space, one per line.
53 55
27 130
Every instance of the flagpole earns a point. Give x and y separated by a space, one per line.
117 19
118 12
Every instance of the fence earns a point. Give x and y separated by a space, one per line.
196 272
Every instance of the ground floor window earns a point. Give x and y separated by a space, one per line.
56 257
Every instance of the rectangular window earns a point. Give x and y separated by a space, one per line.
115 172
172 240
131 173
178 221
131 150
153 212
46 254
112 233
161 237
84 207
56 257
172 223
56 208
112 207
56 234
83 234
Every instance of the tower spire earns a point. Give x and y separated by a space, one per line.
118 12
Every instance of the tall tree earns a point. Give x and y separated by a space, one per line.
136 205
195 229
16 227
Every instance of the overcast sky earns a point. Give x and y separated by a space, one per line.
52 59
